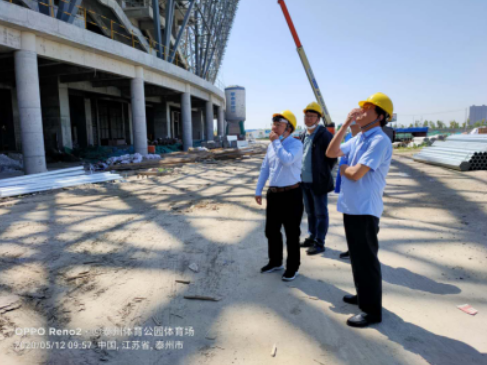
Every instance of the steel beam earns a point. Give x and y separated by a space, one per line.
181 30
168 28
157 27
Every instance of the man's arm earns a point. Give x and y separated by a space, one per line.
264 175
287 158
331 162
333 150
354 173
370 160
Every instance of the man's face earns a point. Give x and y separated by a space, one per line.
279 127
368 115
310 119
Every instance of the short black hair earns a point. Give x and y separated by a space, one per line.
382 112
291 126
315 112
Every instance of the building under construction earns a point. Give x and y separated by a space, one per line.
81 73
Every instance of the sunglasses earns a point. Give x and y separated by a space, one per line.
279 119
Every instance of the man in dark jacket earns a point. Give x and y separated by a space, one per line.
317 180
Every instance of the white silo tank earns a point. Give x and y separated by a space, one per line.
236 107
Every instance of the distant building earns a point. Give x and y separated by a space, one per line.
477 114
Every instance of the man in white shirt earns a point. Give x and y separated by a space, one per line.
282 167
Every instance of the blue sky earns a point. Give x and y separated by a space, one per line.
429 56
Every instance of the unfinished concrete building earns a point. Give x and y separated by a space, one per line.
80 73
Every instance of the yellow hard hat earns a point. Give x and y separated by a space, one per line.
382 101
289 116
314 107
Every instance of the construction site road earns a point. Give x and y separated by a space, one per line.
165 270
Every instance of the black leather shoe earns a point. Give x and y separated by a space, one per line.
345 255
350 299
271 268
315 250
308 242
363 320
290 275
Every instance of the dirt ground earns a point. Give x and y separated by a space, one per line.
108 256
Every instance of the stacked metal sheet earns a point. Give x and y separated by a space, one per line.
52 180
460 152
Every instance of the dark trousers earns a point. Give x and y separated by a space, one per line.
361 232
316 207
284 209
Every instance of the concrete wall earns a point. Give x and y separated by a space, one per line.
160 121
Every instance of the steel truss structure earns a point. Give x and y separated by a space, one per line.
190 33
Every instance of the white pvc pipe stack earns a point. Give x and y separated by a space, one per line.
52 180
459 152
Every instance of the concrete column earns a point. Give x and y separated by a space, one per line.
221 121
90 140
186 119
131 126
168 121
138 112
29 101
65 116
209 121
16 116
160 122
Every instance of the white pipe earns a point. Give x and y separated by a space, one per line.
58 184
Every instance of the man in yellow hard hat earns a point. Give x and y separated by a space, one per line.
317 180
369 157
354 130
282 167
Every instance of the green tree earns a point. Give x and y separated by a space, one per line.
425 124
411 125
432 124
440 124
478 124
417 123
454 125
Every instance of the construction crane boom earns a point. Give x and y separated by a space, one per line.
307 68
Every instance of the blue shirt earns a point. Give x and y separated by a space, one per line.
307 172
364 197
281 165
343 161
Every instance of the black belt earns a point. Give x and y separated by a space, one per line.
283 189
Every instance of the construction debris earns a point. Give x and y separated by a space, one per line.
9 164
183 281
52 180
154 172
211 335
202 297
274 351
467 308
9 302
191 157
